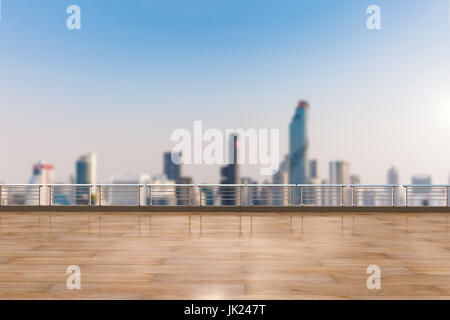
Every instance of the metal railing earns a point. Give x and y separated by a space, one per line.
204 195
427 195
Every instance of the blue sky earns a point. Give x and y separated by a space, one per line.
137 70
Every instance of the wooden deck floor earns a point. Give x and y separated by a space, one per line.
308 256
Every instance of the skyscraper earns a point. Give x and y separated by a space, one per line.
42 174
186 196
172 169
134 194
279 194
163 195
230 173
421 196
339 172
86 173
298 145
392 176
86 169
313 170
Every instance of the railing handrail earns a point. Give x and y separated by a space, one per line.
23 185
119 185
427 185
219 185
374 185
170 185
271 185
322 185
69 185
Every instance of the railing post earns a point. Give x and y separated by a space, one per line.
100 196
446 196
289 196
406 195
302 194
139 194
353 195
190 196
50 188
251 195
90 196
240 196
342 196
200 195
150 195
393 196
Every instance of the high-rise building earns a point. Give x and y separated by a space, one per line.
284 165
126 193
422 196
325 201
172 169
339 172
313 170
85 173
281 177
392 176
161 194
230 173
186 195
298 145
311 196
42 174
208 198
246 180
280 195
86 169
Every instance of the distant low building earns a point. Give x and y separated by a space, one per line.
313 170
163 195
354 179
421 196
127 194
339 172
186 195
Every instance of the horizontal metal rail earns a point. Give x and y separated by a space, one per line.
242 195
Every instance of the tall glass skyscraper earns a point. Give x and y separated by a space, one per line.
298 145
86 169
86 173
172 170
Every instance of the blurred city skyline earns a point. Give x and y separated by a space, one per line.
136 72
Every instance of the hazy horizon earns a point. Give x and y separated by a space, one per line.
137 71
